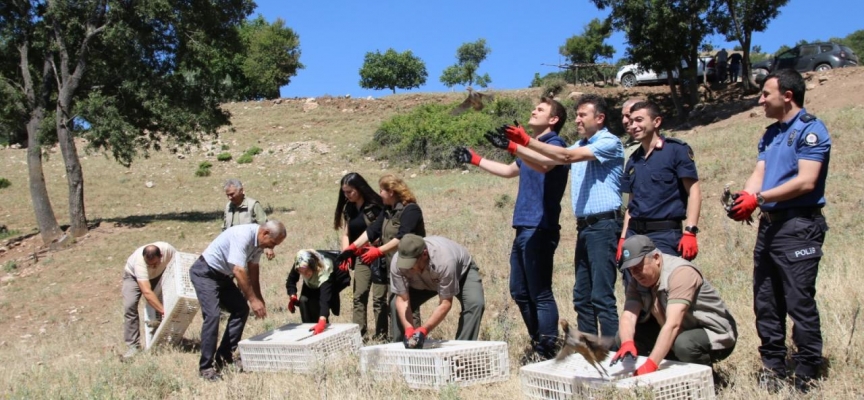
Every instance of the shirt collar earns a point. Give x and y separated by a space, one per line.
594 137
784 125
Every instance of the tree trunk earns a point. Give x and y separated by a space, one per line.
750 85
74 173
675 100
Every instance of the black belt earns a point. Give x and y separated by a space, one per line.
641 226
789 213
584 222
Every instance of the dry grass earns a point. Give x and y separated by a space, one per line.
61 317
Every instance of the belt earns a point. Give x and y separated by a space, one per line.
584 222
774 217
640 226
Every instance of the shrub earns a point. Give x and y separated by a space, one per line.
4 183
225 147
246 158
253 151
204 169
10 266
224 156
554 87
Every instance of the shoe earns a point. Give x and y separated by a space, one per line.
210 374
235 364
803 384
771 381
131 352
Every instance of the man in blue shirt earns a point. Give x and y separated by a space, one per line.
663 185
597 162
788 185
233 255
535 218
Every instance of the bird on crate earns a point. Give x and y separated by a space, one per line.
593 348
475 100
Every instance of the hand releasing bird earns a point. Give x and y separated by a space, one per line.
593 348
475 100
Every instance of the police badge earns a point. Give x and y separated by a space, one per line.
811 139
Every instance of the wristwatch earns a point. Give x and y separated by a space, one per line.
692 229
759 199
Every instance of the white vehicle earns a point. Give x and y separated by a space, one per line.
633 74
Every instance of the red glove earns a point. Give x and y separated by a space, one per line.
291 302
618 252
409 331
628 348
646 368
517 134
346 265
688 246
744 205
319 327
371 255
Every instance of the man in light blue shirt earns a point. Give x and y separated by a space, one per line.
234 255
597 165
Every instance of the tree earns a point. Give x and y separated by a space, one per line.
124 76
738 19
591 44
855 41
464 72
392 70
661 33
269 59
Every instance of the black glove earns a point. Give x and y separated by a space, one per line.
498 139
464 155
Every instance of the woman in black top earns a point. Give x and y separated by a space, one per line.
357 206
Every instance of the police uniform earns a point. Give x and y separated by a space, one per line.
658 199
789 246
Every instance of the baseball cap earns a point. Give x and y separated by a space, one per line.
634 249
410 248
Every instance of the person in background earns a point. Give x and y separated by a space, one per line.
242 209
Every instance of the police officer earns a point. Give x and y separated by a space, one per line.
663 185
788 184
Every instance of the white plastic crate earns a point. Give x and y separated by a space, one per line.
575 378
178 299
439 363
294 348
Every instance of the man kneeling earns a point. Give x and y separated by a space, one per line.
424 267
684 318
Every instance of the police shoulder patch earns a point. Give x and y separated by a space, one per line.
807 117
811 139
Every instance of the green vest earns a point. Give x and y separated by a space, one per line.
392 223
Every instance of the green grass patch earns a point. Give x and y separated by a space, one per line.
10 266
4 183
253 151
225 147
224 157
203 169
246 158
5 233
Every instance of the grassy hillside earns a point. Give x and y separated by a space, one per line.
61 315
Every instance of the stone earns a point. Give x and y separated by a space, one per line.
310 100
823 79
277 101
149 184
754 114
181 156
370 98
811 86
309 106
575 95
347 96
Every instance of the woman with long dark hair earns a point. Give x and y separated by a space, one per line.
356 208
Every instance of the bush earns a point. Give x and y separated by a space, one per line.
224 156
554 87
4 183
204 169
225 147
246 158
253 151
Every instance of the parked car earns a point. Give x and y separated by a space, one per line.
633 74
809 57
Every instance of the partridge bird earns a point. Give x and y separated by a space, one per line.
475 100
593 348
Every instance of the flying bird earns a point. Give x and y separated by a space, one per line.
593 348
475 100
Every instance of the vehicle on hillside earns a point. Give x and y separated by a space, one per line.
633 74
808 57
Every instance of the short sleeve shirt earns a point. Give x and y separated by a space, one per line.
655 182
538 203
684 284
237 245
783 145
448 264
137 266
595 186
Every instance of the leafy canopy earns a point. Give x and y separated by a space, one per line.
590 45
468 59
392 70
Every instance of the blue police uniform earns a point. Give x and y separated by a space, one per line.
658 199
789 247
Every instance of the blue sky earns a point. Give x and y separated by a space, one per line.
336 34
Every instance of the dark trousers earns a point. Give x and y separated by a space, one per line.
786 260
666 241
470 297
596 270
690 346
213 288
531 261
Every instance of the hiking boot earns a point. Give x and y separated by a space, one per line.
803 384
210 374
131 352
771 381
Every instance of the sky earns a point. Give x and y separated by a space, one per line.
336 34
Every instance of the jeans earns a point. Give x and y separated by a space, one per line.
596 270
213 288
531 262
